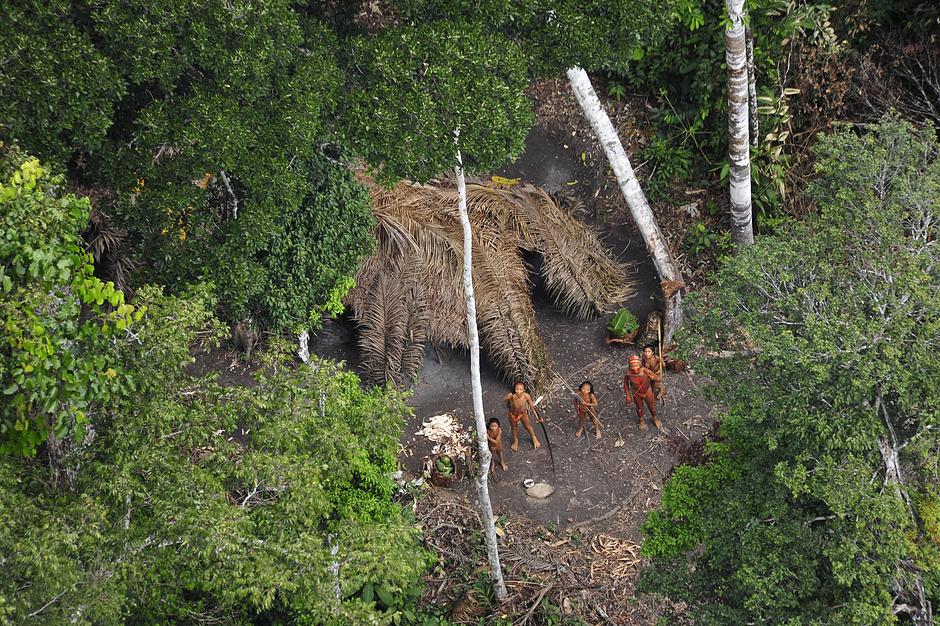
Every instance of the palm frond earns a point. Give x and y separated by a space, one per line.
579 273
506 316
105 242
392 316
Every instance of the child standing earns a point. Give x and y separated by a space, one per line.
519 402
586 405
494 440
654 364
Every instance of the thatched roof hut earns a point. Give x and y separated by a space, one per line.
410 292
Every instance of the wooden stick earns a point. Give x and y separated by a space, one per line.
662 364
538 600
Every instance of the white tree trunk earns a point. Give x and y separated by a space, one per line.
752 88
739 157
334 569
481 480
921 612
636 200
303 349
231 192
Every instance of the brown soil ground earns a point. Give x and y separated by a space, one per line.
591 566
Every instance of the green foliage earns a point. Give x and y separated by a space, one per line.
622 323
681 524
669 162
281 264
196 501
616 90
401 609
415 86
593 34
243 135
700 240
57 317
206 124
305 265
838 320
57 92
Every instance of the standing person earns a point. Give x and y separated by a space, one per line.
638 387
519 402
494 440
650 331
586 405
654 364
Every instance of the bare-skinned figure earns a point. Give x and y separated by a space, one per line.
519 403
638 387
494 440
586 405
654 364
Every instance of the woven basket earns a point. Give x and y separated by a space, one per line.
443 480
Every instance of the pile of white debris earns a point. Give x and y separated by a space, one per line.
449 437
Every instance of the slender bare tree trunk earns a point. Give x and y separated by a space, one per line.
739 157
481 480
752 88
665 264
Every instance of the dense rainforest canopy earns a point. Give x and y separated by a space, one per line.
817 502
170 168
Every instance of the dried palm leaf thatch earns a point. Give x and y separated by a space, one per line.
411 291
392 327
505 315
420 246
578 271
107 243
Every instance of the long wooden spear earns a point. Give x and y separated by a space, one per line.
662 364
548 443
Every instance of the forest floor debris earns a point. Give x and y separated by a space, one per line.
548 572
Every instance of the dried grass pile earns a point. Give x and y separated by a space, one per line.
411 291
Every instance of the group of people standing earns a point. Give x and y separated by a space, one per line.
642 385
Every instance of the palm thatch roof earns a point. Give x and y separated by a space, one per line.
411 291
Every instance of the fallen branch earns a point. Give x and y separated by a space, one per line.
600 611
538 600
666 266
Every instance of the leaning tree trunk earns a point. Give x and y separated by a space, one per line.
739 158
752 87
665 264
481 480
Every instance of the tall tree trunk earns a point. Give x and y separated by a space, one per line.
752 88
665 264
739 157
481 480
